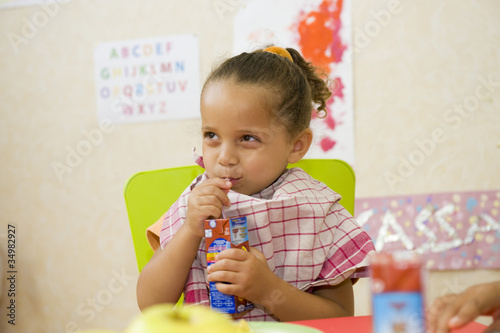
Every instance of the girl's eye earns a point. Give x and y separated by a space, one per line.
249 138
210 135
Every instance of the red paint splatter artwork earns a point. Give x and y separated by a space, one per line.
320 43
319 37
337 88
327 143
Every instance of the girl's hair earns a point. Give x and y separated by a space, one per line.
294 89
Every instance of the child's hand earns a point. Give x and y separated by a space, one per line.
454 311
206 201
247 272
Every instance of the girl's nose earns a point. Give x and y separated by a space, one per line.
227 155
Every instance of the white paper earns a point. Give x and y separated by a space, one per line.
149 79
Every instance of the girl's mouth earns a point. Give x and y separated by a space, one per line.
234 181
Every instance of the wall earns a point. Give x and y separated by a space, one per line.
74 256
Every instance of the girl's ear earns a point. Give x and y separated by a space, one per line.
301 145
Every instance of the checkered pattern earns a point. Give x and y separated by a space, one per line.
308 238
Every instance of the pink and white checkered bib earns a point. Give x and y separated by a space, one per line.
308 238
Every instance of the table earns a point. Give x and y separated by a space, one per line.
363 324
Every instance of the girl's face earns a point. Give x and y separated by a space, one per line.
241 141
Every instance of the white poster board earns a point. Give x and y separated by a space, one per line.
321 31
149 79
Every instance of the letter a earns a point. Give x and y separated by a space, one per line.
221 8
15 40
392 179
60 169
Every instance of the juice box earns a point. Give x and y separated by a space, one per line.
221 234
397 293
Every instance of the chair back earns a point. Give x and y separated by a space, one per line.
149 194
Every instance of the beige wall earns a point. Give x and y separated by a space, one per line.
74 254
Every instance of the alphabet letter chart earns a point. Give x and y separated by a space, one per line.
148 79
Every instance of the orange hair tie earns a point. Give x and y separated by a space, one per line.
279 51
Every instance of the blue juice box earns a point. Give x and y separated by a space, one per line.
222 234
397 293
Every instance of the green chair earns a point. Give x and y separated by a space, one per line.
149 194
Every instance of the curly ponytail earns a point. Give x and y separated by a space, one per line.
317 79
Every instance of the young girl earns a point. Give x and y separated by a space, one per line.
306 249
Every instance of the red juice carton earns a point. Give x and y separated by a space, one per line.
397 288
222 234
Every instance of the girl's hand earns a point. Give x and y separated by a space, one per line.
247 272
206 201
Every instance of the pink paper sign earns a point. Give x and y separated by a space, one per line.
450 230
